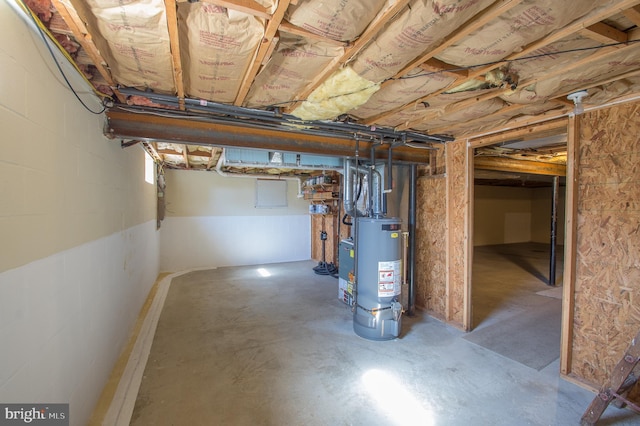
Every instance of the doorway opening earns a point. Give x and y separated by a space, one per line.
518 246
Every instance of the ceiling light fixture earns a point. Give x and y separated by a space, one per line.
576 97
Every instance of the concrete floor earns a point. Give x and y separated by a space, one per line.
236 347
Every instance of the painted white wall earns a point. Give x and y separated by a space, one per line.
502 215
79 249
212 221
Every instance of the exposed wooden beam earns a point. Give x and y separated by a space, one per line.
152 147
82 36
166 151
502 164
604 33
264 48
246 6
172 26
633 13
185 156
572 28
289 28
436 65
451 129
547 128
449 109
149 127
212 159
367 35
571 246
155 146
584 62
591 19
475 23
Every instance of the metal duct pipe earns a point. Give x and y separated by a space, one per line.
349 202
220 163
375 186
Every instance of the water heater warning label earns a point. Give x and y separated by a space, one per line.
389 278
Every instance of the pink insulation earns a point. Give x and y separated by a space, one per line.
342 20
42 8
291 68
217 46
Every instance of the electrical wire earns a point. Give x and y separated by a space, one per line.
465 68
47 37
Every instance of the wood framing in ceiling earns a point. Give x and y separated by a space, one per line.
441 68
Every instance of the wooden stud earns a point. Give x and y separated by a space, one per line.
172 26
574 27
475 23
436 65
288 27
185 156
566 31
548 128
503 164
246 6
604 33
451 129
467 319
367 35
633 13
261 53
451 108
599 55
82 36
571 231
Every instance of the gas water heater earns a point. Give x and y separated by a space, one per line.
377 312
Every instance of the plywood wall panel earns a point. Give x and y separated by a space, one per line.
607 287
456 212
431 230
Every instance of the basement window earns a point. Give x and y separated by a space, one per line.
149 169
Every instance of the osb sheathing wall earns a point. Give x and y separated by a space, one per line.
457 175
335 232
441 237
431 239
607 287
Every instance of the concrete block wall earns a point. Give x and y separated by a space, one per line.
79 248
212 221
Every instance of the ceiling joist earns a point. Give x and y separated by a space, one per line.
246 6
82 36
579 25
264 48
511 165
369 33
172 24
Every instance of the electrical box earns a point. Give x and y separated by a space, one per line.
346 272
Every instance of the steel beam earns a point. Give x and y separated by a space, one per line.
154 127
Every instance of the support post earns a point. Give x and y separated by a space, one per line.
554 226
412 237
